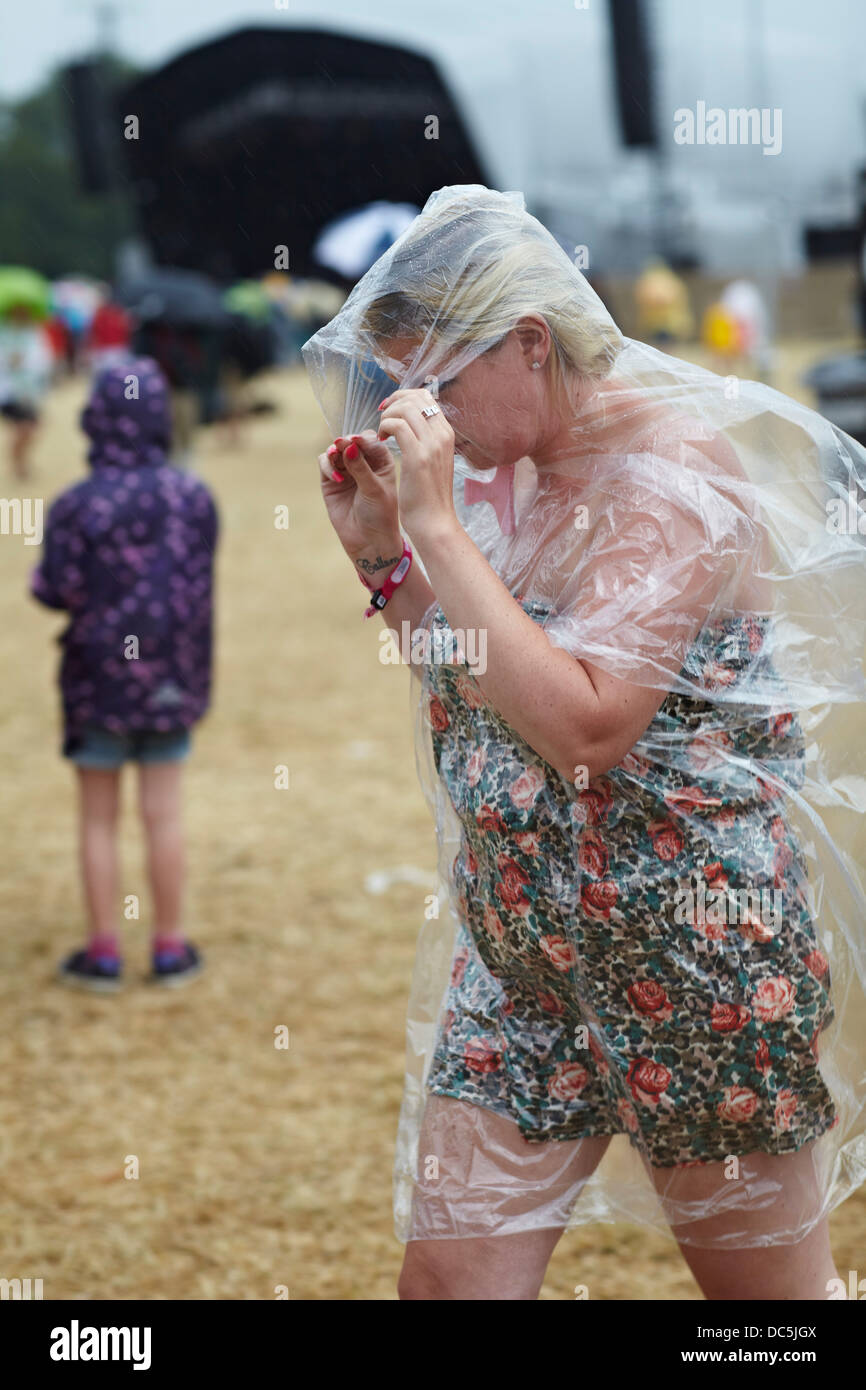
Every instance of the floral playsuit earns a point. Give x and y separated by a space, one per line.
595 987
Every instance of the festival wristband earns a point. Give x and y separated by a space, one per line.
393 581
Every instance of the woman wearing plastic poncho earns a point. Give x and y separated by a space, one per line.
640 732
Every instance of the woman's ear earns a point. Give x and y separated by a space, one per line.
533 336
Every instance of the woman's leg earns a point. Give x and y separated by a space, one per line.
481 1267
481 1176
99 804
772 1198
159 804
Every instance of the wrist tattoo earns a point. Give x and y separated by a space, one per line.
371 566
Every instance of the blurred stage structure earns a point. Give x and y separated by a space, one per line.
263 136
259 139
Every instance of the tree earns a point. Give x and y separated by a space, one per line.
46 221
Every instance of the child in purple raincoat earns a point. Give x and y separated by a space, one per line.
129 555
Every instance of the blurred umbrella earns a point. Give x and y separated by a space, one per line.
175 296
353 242
23 289
249 298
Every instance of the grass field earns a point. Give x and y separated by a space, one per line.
258 1167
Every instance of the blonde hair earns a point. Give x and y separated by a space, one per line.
467 280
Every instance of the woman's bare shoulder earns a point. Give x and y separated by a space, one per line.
657 427
640 496
707 451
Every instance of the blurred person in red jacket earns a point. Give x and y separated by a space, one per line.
108 337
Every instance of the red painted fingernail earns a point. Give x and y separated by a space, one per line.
338 477
358 436
381 407
352 452
332 451
339 441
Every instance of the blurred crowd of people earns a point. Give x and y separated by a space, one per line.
209 342
734 328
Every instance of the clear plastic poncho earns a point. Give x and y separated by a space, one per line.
638 997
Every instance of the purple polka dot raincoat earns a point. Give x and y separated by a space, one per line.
128 553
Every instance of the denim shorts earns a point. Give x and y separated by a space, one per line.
102 750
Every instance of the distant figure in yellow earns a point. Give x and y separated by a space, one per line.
664 314
735 329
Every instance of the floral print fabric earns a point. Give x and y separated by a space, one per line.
637 955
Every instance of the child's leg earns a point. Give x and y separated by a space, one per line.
99 803
159 803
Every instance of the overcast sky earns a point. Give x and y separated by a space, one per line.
713 37
534 74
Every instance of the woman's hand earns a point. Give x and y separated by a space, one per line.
426 443
363 507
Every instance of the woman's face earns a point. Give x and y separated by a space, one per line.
495 403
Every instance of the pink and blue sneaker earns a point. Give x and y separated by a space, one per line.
174 965
99 971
